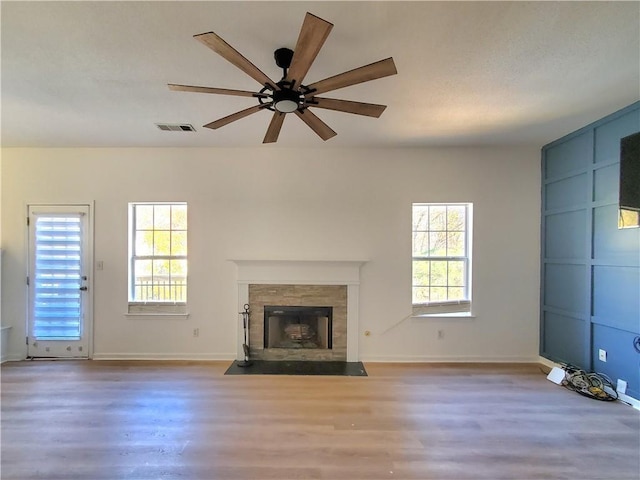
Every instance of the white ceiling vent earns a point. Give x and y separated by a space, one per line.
176 127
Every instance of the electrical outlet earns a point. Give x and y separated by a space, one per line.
622 386
196 332
602 355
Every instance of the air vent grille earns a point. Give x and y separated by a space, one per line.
175 127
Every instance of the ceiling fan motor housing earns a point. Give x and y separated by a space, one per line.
283 57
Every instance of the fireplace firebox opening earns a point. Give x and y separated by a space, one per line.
298 327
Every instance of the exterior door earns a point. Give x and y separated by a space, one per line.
59 321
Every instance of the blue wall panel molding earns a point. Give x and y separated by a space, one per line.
565 235
590 292
625 360
566 193
565 334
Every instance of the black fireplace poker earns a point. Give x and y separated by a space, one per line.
245 346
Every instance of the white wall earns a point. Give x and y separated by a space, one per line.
0 200
268 203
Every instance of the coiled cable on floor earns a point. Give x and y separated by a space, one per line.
592 385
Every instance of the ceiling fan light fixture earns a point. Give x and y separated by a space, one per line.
286 100
286 106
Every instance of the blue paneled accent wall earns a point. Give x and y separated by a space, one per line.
590 292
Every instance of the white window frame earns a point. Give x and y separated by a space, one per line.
447 307
155 307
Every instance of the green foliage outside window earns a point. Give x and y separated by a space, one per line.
159 263
440 240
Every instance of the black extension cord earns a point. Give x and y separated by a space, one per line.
591 385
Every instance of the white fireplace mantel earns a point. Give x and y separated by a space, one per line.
303 272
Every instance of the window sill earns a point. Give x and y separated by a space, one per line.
445 315
166 309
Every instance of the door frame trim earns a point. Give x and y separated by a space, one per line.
89 314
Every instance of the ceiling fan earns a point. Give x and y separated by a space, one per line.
290 94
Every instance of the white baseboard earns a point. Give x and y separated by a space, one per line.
446 359
4 345
164 356
548 363
630 400
12 358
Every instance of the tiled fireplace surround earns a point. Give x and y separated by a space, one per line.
300 283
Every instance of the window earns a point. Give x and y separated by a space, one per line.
157 257
441 258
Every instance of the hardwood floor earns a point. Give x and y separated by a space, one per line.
99 420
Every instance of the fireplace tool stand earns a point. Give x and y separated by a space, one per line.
245 346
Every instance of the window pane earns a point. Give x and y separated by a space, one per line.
144 217
420 244
179 217
160 270
178 243
142 270
144 243
178 270
421 272
455 244
456 217
179 280
162 217
438 294
161 243
420 294
439 273
456 293
420 217
438 244
437 217
456 274
142 280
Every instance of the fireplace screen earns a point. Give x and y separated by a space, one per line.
297 327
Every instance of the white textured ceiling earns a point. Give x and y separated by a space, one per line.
469 73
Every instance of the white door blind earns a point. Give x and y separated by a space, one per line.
58 262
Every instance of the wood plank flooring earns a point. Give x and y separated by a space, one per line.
103 420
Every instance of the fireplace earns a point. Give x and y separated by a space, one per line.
334 283
298 327
298 322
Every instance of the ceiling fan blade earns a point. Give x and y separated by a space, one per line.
322 129
380 69
359 108
312 36
222 48
235 116
274 128
219 91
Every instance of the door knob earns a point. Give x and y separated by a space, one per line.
84 289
